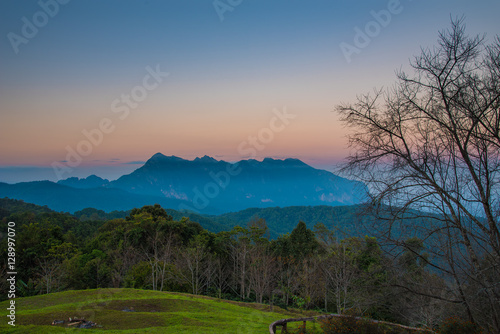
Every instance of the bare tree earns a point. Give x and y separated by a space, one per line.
311 280
152 253
287 272
50 274
341 273
261 271
240 254
123 258
429 148
218 274
194 261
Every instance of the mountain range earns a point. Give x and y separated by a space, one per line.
203 185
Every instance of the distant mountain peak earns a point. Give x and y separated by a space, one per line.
163 156
94 177
289 162
159 157
92 181
205 159
204 185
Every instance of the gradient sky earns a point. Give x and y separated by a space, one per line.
225 76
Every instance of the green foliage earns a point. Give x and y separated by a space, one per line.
139 276
303 242
155 211
150 250
9 206
95 214
299 301
26 289
342 221
413 260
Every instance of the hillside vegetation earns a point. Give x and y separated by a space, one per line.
308 269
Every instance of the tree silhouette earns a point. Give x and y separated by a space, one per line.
429 147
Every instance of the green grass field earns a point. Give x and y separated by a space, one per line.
155 312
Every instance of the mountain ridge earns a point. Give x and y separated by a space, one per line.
220 186
204 185
92 181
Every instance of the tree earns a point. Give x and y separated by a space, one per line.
303 242
411 301
341 273
194 260
152 230
155 211
429 148
49 275
261 271
51 269
287 267
123 259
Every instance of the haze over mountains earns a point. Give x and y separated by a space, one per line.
204 185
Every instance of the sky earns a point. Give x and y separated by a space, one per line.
99 86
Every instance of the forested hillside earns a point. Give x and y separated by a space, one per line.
342 220
148 249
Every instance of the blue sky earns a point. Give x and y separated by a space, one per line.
225 77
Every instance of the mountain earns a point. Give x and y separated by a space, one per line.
93 181
214 186
9 206
203 185
63 198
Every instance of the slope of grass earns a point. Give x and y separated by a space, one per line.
154 312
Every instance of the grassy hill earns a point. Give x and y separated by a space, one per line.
154 312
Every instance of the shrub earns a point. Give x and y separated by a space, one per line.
340 325
348 324
456 325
